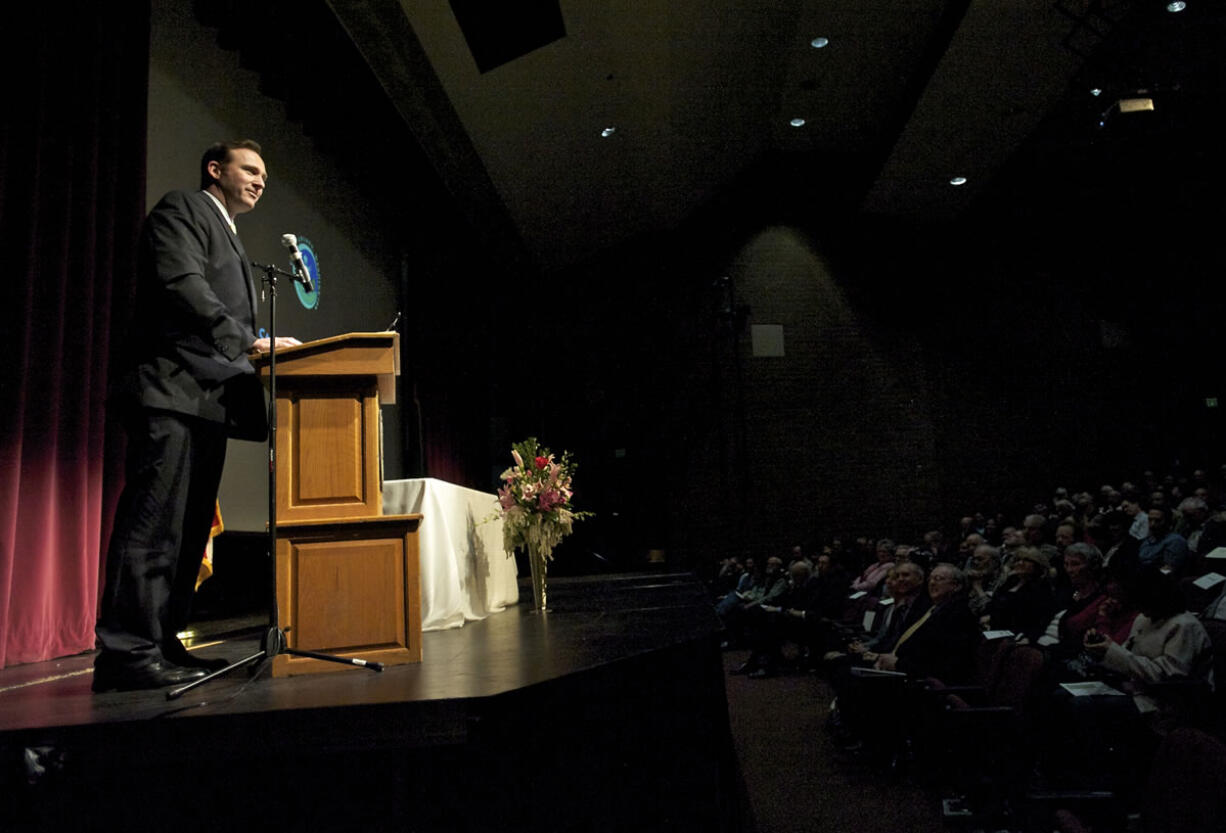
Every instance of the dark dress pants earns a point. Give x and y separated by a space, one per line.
174 465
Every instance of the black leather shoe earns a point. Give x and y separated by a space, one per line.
178 655
156 674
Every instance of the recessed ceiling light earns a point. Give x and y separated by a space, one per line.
819 43
1176 6
607 132
797 122
958 180
1096 92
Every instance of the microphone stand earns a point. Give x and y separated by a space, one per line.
273 641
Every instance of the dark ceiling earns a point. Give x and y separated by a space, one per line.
907 95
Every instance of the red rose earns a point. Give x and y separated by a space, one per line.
541 462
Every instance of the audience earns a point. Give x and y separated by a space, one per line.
796 616
1090 577
733 610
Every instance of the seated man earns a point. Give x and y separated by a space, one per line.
797 616
908 603
942 642
1162 548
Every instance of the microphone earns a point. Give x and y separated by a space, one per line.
290 241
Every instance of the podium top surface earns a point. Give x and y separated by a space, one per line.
349 354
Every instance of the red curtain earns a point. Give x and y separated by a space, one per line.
72 161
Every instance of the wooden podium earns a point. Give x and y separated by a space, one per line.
348 582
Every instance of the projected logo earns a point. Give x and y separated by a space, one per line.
309 300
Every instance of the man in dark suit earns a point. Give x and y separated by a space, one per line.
942 642
186 387
909 601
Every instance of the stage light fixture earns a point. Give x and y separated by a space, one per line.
797 122
1136 105
819 43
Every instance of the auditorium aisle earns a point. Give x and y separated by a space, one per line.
793 778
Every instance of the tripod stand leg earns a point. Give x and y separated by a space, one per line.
176 693
361 663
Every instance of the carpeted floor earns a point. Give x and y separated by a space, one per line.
794 777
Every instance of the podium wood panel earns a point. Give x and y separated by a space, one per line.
328 457
328 442
350 588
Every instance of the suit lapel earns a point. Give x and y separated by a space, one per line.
237 245
242 256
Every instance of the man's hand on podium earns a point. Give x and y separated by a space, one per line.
263 345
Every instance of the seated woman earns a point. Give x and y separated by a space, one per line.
1116 613
1166 643
1103 740
1023 604
1080 606
870 580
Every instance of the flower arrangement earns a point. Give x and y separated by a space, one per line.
535 500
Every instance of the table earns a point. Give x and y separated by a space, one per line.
465 575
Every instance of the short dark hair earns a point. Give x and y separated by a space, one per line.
220 152
1156 594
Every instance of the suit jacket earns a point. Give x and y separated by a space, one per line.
195 318
943 646
893 626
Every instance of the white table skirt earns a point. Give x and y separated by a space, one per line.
465 575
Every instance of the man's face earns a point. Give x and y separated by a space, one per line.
1024 567
240 180
1033 530
823 564
941 584
1064 535
774 565
981 560
1013 537
1157 522
907 580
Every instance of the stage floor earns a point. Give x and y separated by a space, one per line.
617 688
